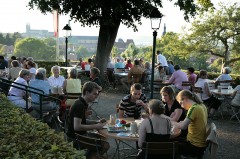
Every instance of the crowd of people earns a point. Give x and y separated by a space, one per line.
177 106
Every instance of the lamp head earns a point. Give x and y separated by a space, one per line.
156 18
68 30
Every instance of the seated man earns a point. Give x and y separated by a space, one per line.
41 83
133 102
134 75
77 122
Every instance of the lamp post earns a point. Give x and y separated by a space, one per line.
68 30
155 17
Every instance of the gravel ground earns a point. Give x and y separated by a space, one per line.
228 132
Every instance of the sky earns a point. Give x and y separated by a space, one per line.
14 15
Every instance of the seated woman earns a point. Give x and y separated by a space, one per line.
195 121
94 77
173 109
159 74
157 128
72 85
18 96
56 80
41 83
14 70
208 99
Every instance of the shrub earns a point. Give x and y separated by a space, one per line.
21 136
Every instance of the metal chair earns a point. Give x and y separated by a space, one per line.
212 143
160 148
198 91
94 143
187 84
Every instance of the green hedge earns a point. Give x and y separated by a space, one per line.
21 136
213 75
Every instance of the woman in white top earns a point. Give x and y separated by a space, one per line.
17 96
159 74
56 80
211 102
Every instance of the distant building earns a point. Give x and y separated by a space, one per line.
121 45
34 33
90 42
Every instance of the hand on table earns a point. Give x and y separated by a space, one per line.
100 126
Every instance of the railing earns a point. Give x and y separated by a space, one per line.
26 87
41 95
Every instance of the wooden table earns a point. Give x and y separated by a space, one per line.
122 139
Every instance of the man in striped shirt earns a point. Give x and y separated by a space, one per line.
136 100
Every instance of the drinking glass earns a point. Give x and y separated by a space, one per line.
112 120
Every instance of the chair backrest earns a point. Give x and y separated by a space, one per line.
119 70
211 85
198 91
90 143
211 140
73 95
186 83
160 148
225 83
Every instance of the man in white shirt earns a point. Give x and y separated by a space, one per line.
162 60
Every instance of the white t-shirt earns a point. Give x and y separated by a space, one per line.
162 59
53 81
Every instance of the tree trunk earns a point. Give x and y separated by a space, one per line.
106 39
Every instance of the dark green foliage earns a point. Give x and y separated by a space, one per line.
49 64
21 136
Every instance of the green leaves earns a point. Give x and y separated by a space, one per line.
21 136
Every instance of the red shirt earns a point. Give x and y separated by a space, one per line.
128 65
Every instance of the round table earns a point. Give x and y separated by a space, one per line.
224 92
176 132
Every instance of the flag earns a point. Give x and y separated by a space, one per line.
55 22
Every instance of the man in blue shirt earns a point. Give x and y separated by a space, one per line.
119 64
3 63
41 83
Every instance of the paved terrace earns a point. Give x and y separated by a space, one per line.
228 132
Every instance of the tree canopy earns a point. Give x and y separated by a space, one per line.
36 48
109 14
218 33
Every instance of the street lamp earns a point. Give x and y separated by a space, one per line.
68 30
155 17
